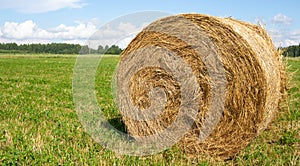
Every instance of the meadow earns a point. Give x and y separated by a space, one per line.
39 125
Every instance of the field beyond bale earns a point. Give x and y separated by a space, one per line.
38 122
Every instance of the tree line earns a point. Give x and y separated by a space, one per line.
64 48
57 48
292 51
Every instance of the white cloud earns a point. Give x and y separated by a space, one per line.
120 33
293 38
127 27
40 6
295 35
28 31
288 42
125 41
81 31
281 32
19 31
283 38
281 19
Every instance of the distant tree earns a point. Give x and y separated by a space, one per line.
114 50
106 47
292 51
100 50
84 50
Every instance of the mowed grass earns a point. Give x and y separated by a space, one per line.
39 125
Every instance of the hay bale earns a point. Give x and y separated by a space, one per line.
229 68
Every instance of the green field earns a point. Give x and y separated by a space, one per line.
38 122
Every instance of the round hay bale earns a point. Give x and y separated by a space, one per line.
228 69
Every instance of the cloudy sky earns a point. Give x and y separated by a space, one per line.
75 21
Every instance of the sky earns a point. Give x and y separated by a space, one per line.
117 21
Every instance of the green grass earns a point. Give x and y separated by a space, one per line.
38 122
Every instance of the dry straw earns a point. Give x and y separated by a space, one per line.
255 81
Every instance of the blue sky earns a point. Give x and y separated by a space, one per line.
74 21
